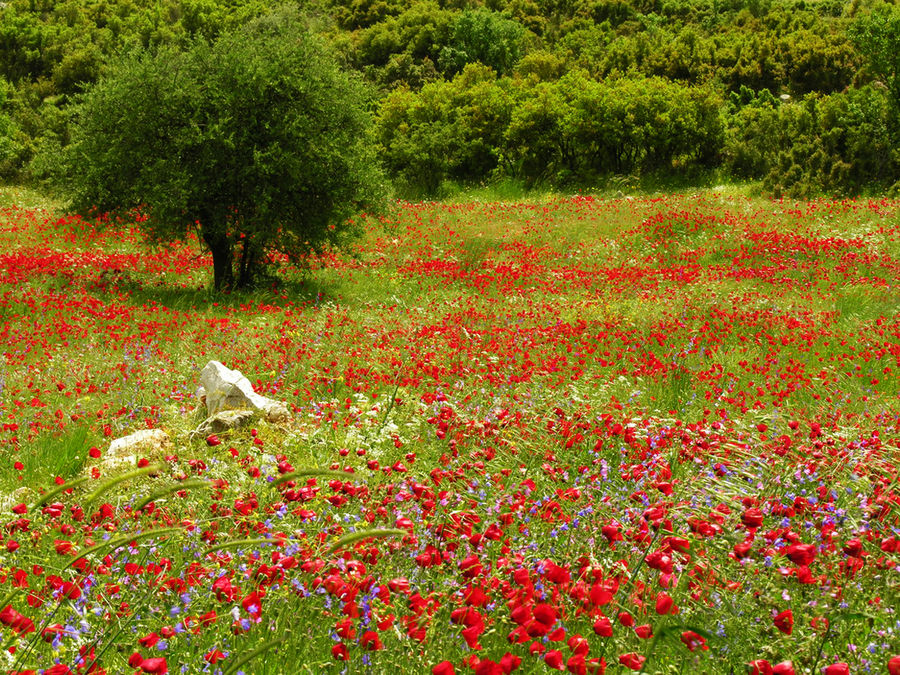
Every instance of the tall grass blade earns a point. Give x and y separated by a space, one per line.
166 491
233 668
116 542
47 496
108 485
353 537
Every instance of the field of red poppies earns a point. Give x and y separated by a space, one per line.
573 434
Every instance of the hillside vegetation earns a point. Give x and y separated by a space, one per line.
800 95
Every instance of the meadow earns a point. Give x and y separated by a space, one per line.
654 434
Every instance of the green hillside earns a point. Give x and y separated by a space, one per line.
802 96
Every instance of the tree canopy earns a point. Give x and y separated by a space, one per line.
257 139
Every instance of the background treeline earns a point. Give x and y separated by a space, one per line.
803 95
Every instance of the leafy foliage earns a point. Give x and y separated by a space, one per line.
485 37
562 131
877 36
449 130
51 51
837 144
257 139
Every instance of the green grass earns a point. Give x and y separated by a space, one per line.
60 454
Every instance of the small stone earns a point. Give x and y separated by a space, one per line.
124 452
226 420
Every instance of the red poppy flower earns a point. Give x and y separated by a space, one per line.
58 669
752 517
545 614
157 665
784 621
443 668
894 666
554 659
19 623
213 656
837 669
510 662
577 665
603 627
800 554
664 603
371 641
760 667
487 667
148 641
578 644
632 661
693 641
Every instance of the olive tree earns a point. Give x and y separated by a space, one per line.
257 139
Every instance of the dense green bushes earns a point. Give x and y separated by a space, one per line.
802 96
570 130
838 144
450 130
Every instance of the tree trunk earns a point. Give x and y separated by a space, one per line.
247 265
223 273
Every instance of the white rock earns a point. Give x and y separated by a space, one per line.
226 389
128 449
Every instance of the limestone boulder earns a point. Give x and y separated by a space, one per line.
225 389
124 452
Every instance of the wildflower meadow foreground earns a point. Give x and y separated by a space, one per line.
580 435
